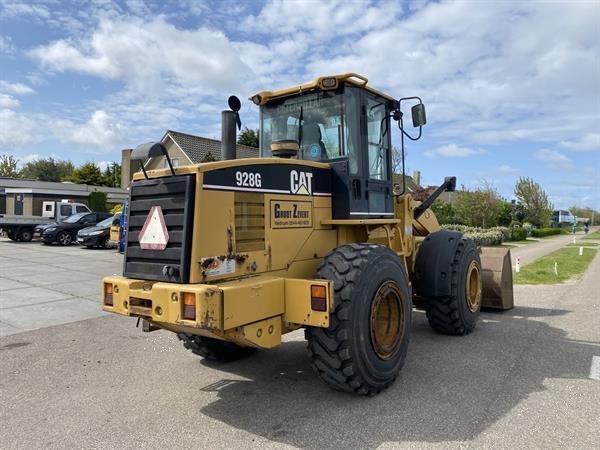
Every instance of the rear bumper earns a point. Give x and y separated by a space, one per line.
251 311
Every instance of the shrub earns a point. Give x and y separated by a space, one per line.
518 234
97 201
542 232
481 236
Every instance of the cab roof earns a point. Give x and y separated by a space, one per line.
323 83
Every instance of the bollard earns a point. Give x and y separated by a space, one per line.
574 240
555 268
581 250
517 264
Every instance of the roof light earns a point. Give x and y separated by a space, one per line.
329 83
256 99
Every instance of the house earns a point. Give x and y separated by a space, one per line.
25 197
184 149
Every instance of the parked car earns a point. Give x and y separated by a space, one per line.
65 232
22 228
99 234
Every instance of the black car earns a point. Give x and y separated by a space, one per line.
65 232
99 234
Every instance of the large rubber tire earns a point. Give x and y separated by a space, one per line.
64 238
11 234
457 314
346 355
214 349
25 235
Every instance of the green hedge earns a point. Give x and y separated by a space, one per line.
482 236
542 232
518 234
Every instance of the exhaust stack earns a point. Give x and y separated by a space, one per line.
229 121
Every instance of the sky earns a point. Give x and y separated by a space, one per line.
511 88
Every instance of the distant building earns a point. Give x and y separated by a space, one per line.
184 150
562 216
25 197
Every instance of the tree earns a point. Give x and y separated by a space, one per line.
538 209
47 169
97 201
479 208
586 213
248 137
505 214
209 158
112 175
444 211
8 166
89 173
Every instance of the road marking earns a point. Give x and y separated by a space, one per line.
595 368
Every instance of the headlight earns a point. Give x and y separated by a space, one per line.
96 233
50 229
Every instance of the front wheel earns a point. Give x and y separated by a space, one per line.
65 238
458 312
366 343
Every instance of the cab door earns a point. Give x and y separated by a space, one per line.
377 157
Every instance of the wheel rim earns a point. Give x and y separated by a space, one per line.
473 287
387 320
65 239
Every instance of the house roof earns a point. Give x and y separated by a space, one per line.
197 148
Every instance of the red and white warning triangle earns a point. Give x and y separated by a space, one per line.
154 234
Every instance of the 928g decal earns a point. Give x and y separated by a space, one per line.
271 179
248 179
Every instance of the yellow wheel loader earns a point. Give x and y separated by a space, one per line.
230 255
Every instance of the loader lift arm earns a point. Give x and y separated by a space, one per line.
449 185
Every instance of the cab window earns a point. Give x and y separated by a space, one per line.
315 121
377 138
65 210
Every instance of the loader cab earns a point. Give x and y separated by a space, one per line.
347 127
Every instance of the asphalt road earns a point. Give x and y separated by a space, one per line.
530 252
521 379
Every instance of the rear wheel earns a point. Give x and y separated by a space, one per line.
366 343
458 313
64 238
25 235
214 349
10 233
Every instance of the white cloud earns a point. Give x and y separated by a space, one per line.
321 19
553 159
99 130
15 88
454 151
6 45
8 101
16 130
505 169
149 56
590 141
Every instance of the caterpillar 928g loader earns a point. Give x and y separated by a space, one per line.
230 255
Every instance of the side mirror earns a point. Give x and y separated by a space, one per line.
418 115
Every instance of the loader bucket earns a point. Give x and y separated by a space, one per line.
496 278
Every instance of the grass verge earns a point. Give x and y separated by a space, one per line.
584 244
594 235
570 265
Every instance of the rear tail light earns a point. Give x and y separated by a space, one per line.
108 294
318 297
189 305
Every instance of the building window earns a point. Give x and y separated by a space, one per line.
174 161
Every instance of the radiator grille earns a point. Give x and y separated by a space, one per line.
175 196
249 222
